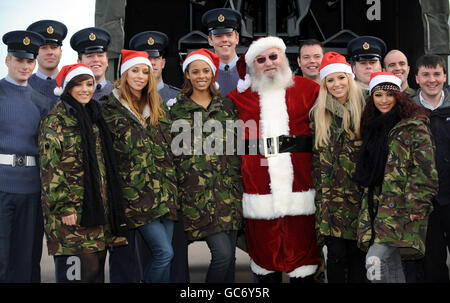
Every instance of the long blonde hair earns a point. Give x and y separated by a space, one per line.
149 97
322 117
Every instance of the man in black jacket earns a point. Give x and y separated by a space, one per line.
431 76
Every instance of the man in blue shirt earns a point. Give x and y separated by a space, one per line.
92 46
223 24
21 110
49 56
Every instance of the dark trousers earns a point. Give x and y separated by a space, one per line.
127 263
179 267
438 239
83 268
345 261
19 237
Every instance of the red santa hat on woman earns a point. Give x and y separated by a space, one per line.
333 62
257 47
209 57
384 81
67 73
131 58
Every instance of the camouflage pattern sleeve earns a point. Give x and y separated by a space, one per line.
60 198
423 182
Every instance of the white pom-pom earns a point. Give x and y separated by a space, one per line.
58 91
243 85
217 85
171 102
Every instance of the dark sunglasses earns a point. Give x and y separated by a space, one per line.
272 57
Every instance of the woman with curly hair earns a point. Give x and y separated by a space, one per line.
396 167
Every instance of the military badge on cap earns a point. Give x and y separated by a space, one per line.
26 41
221 20
53 31
90 40
23 44
366 48
152 42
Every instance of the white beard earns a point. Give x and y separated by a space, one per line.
281 80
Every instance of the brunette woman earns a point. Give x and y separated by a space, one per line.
336 115
137 119
81 198
210 181
396 167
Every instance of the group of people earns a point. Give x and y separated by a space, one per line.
357 166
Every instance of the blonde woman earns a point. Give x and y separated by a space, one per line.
336 117
135 115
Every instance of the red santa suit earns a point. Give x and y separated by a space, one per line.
278 201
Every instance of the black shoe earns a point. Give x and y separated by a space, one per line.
274 277
305 280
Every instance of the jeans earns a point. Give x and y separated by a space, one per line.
223 248
384 264
158 236
345 261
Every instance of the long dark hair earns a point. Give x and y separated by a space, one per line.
407 109
187 88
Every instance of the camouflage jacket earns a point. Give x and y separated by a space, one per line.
210 184
146 164
338 197
410 182
60 157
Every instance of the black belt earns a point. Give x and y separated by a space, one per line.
272 146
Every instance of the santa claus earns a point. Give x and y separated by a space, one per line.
278 202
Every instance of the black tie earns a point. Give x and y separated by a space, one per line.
227 67
49 78
99 86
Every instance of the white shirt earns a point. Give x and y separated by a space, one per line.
428 105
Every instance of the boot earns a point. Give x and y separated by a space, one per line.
305 280
274 277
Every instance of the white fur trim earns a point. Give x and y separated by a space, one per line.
258 269
243 85
260 45
133 61
303 271
171 102
58 91
335 68
263 206
385 78
194 57
81 70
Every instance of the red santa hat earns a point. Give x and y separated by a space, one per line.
244 81
384 81
131 58
333 62
67 73
208 56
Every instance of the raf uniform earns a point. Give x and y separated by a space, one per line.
155 43
54 33
366 48
222 21
21 110
93 40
